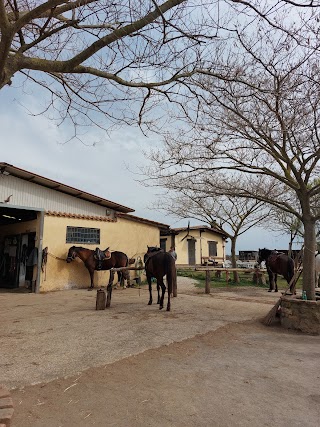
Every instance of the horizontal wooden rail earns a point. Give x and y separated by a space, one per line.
206 268
126 268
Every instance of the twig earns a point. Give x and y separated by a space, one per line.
72 385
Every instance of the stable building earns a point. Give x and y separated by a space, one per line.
196 245
40 219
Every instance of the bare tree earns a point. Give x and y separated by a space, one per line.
117 58
234 216
114 62
258 118
288 224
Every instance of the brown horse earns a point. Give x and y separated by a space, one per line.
114 259
277 263
159 264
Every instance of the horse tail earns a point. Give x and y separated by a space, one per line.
170 273
290 269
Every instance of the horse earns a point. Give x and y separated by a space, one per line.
159 264
114 259
277 263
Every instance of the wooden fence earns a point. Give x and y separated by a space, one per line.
258 273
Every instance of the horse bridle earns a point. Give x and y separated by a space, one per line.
72 256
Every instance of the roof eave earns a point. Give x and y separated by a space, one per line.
63 188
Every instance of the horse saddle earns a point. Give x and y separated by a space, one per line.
151 253
100 256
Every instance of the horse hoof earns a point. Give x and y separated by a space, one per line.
269 290
149 303
276 290
90 289
161 307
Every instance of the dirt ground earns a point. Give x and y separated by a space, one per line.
209 362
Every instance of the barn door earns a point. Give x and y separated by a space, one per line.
192 252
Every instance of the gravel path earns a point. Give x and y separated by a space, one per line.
209 362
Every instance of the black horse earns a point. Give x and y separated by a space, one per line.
114 259
277 263
159 264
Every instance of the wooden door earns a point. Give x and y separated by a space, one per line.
192 252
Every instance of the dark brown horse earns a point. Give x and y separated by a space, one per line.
277 263
159 264
114 259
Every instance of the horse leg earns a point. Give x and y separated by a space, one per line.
91 272
158 289
121 279
275 283
150 288
270 275
168 304
126 276
111 278
163 288
109 294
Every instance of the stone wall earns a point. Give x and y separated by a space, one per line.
6 407
301 315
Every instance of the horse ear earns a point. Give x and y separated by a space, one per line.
107 249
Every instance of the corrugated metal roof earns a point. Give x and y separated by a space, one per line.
6 168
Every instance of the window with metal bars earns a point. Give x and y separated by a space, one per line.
83 235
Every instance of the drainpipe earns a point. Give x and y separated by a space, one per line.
37 289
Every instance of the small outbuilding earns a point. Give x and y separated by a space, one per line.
196 245
40 219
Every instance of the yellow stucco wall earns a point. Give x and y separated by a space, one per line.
201 245
124 235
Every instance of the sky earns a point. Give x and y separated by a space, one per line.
108 169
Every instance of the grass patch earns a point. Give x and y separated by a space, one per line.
220 282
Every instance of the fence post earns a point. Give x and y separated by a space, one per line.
207 289
227 277
101 299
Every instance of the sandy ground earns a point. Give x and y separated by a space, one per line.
209 362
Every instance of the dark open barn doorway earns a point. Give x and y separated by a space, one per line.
18 250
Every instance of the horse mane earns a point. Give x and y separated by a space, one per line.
81 248
154 249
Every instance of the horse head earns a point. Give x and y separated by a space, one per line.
263 254
72 254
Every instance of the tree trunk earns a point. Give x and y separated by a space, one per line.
234 260
290 245
309 258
